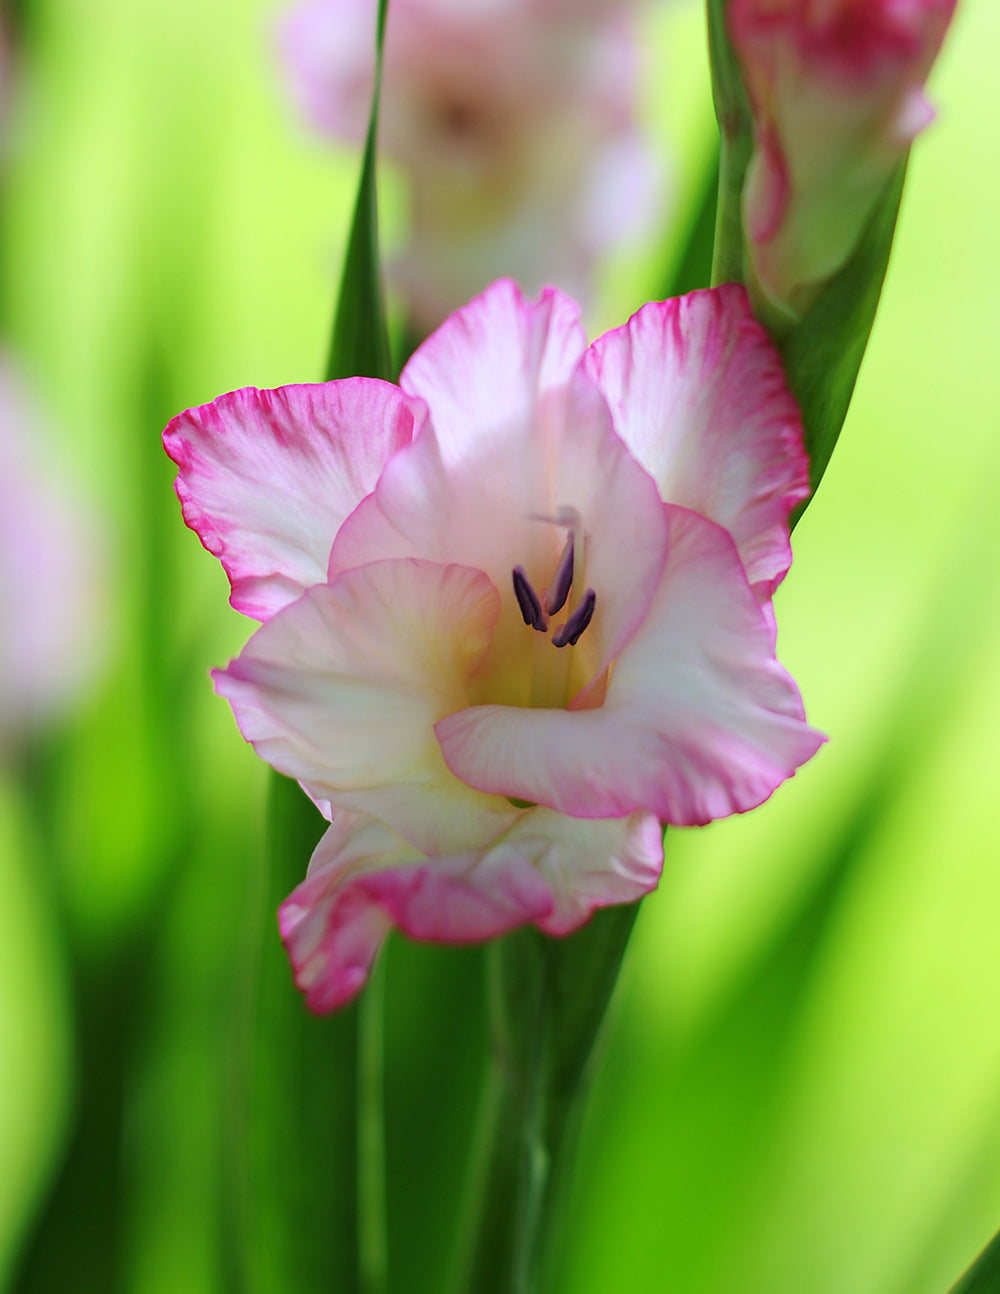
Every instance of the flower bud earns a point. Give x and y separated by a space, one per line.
836 91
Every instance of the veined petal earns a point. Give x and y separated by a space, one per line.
341 690
494 377
588 863
328 926
698 394
364 879
699 720
485 373
267 477
511 443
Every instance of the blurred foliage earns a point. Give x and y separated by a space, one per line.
801 1090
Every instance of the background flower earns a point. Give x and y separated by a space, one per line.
514 123
52 590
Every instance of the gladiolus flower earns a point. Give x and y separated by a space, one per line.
517 611
836 89
50 586
513 123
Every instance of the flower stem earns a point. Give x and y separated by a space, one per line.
372 1236
548 999
736 145
293 1139
727 254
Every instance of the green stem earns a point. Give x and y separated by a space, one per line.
372 1232
548 1000
727 254
736 145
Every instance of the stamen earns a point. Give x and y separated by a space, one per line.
569 634
563 579
528 601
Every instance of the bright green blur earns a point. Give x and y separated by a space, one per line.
801 1092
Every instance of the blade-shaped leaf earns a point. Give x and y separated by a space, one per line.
360 343
823 353
291 1215
296 1219
983 1277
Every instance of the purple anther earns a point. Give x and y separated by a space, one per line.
528 601
563 579
569 634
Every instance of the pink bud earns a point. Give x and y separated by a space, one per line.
836 89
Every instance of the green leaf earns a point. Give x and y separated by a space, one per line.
305 1204
360 343
291 1212
732 110
983 1277
693 267
823 352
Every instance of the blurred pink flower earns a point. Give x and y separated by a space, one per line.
836 88
513 120
51 591
517 611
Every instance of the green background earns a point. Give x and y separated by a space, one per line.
800 1089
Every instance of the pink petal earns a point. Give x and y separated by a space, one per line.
267 477
465 898
511 441
698 394
341 690
487 372
330 929
363 879
588 863
699 721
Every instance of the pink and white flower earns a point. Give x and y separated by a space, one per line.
514 124
517 611
836 88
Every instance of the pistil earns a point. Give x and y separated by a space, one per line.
549 676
